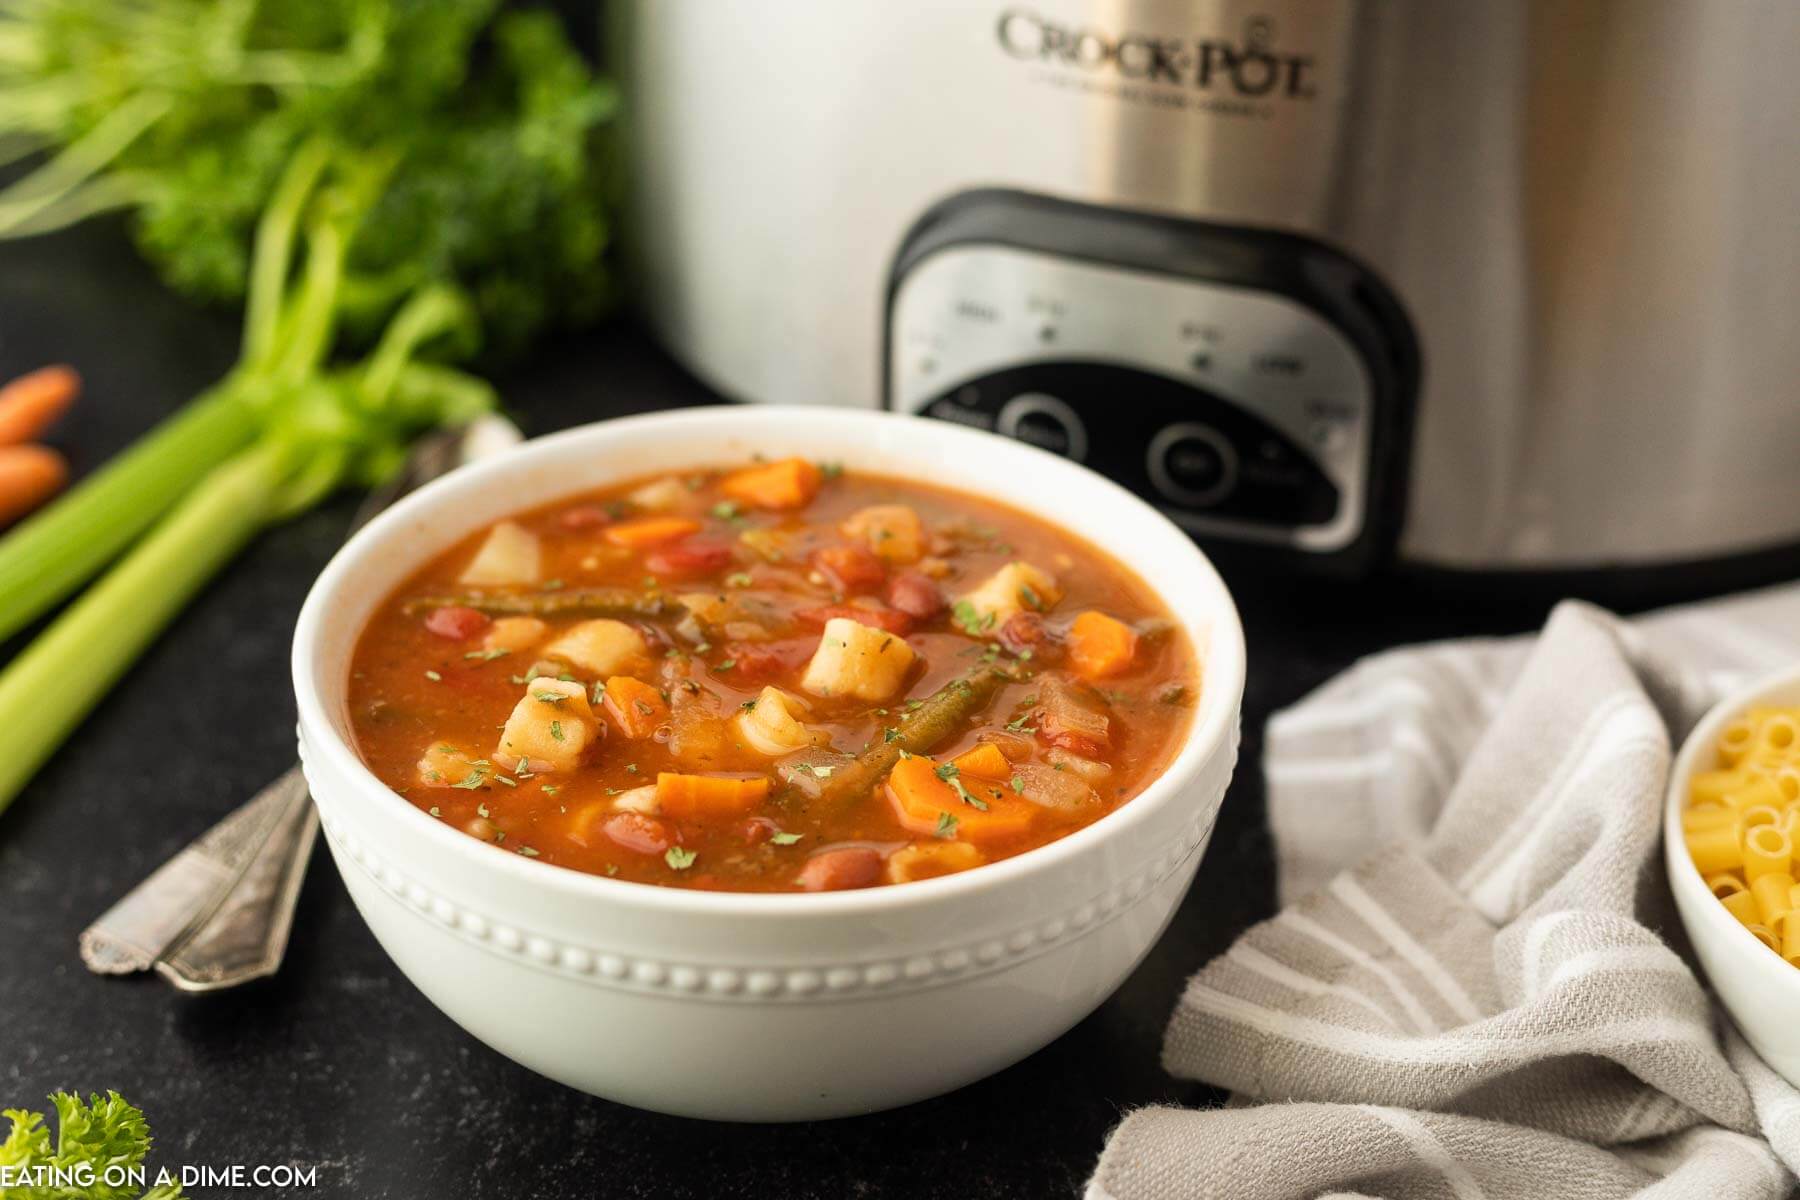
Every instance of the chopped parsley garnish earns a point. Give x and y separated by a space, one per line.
488 655
1018 784
599 691
680 859
471 781
890 734
738 579
946 825
785 839
1031 598
831 470
725 510
481 810
435 811
726 665
548 697
948 771
434 677
528 852
556 730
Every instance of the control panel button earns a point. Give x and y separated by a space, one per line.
1040 419
1192 464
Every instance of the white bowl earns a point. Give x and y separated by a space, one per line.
765 1007
1759 988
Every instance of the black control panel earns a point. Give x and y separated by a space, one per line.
1171 441
1257 387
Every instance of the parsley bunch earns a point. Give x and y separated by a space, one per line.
418 181
99 1134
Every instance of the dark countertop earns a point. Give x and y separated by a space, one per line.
338 1061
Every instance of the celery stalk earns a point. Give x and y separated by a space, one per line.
66 670
53 552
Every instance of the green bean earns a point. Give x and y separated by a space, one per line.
920 731
573 602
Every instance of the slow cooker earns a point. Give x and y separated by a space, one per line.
1497 285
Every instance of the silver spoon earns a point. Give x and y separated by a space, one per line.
218 913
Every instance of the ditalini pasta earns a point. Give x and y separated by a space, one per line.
1742 826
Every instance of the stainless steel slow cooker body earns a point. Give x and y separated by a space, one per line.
1500 284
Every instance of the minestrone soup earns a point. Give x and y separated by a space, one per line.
773 677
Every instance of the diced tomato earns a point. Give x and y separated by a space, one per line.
875 618
916 594
841 869
760 662
686 559
638 833
851 569
456 622
583 516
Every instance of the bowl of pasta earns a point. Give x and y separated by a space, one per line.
1731 836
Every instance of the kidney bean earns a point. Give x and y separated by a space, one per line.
850 569
841 869
688 558
876 618
638 833
757 830
915 594
1026 631
455 622
763 661
583 516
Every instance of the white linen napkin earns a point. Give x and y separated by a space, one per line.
1465 994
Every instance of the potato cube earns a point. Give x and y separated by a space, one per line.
1015 588
667 494
892 531
855 660
510 555
601 647
443 765
552 723
514 634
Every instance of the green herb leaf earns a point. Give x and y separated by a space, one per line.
680 859
946 825
785 839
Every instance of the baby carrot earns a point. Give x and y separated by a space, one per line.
31 402
29 475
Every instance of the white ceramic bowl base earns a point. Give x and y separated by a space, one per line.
1759 988
765 1007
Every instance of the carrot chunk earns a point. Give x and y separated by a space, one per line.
984 761
698 797
926 802
29 475
650 531
790 483
635 707
1100 645
31 403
